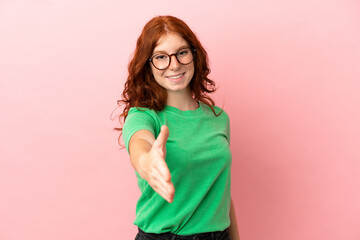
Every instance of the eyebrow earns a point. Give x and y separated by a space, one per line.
161 51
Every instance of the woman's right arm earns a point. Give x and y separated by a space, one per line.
147 156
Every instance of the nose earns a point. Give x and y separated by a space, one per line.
174 64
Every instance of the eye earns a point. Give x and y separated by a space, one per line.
160 57
183 52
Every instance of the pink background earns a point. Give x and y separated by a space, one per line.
288 74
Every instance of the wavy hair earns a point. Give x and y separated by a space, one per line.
141 89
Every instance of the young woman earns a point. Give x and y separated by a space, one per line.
177 139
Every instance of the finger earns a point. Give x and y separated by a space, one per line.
164 181
169 195
161 140
163 170
171 192
165 196
165 190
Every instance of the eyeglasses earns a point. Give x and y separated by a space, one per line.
161 61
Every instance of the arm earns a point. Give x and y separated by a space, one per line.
147 156
234 232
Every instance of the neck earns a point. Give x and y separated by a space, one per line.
181 100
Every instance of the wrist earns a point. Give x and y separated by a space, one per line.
142 163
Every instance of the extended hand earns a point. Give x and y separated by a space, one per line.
155 170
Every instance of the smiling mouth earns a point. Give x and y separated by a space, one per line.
176 76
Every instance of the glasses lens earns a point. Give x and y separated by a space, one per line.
161 61
184 56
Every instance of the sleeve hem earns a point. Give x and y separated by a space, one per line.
133 131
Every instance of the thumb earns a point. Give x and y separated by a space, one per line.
161 140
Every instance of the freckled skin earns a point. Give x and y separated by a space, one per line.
170 44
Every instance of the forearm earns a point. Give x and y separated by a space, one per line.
138 149
234 232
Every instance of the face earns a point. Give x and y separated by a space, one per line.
176 77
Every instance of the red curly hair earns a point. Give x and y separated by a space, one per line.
141 89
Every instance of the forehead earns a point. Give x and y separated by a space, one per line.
170 42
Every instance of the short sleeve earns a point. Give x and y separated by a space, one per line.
225 121
137 120
228 128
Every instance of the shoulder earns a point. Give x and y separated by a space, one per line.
140 112
218 110
140 116
139 119
222 110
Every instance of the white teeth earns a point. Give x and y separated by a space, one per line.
175 77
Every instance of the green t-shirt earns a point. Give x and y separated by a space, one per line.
199 159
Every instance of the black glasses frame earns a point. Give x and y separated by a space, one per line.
170 56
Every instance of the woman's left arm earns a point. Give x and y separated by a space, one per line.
234 232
